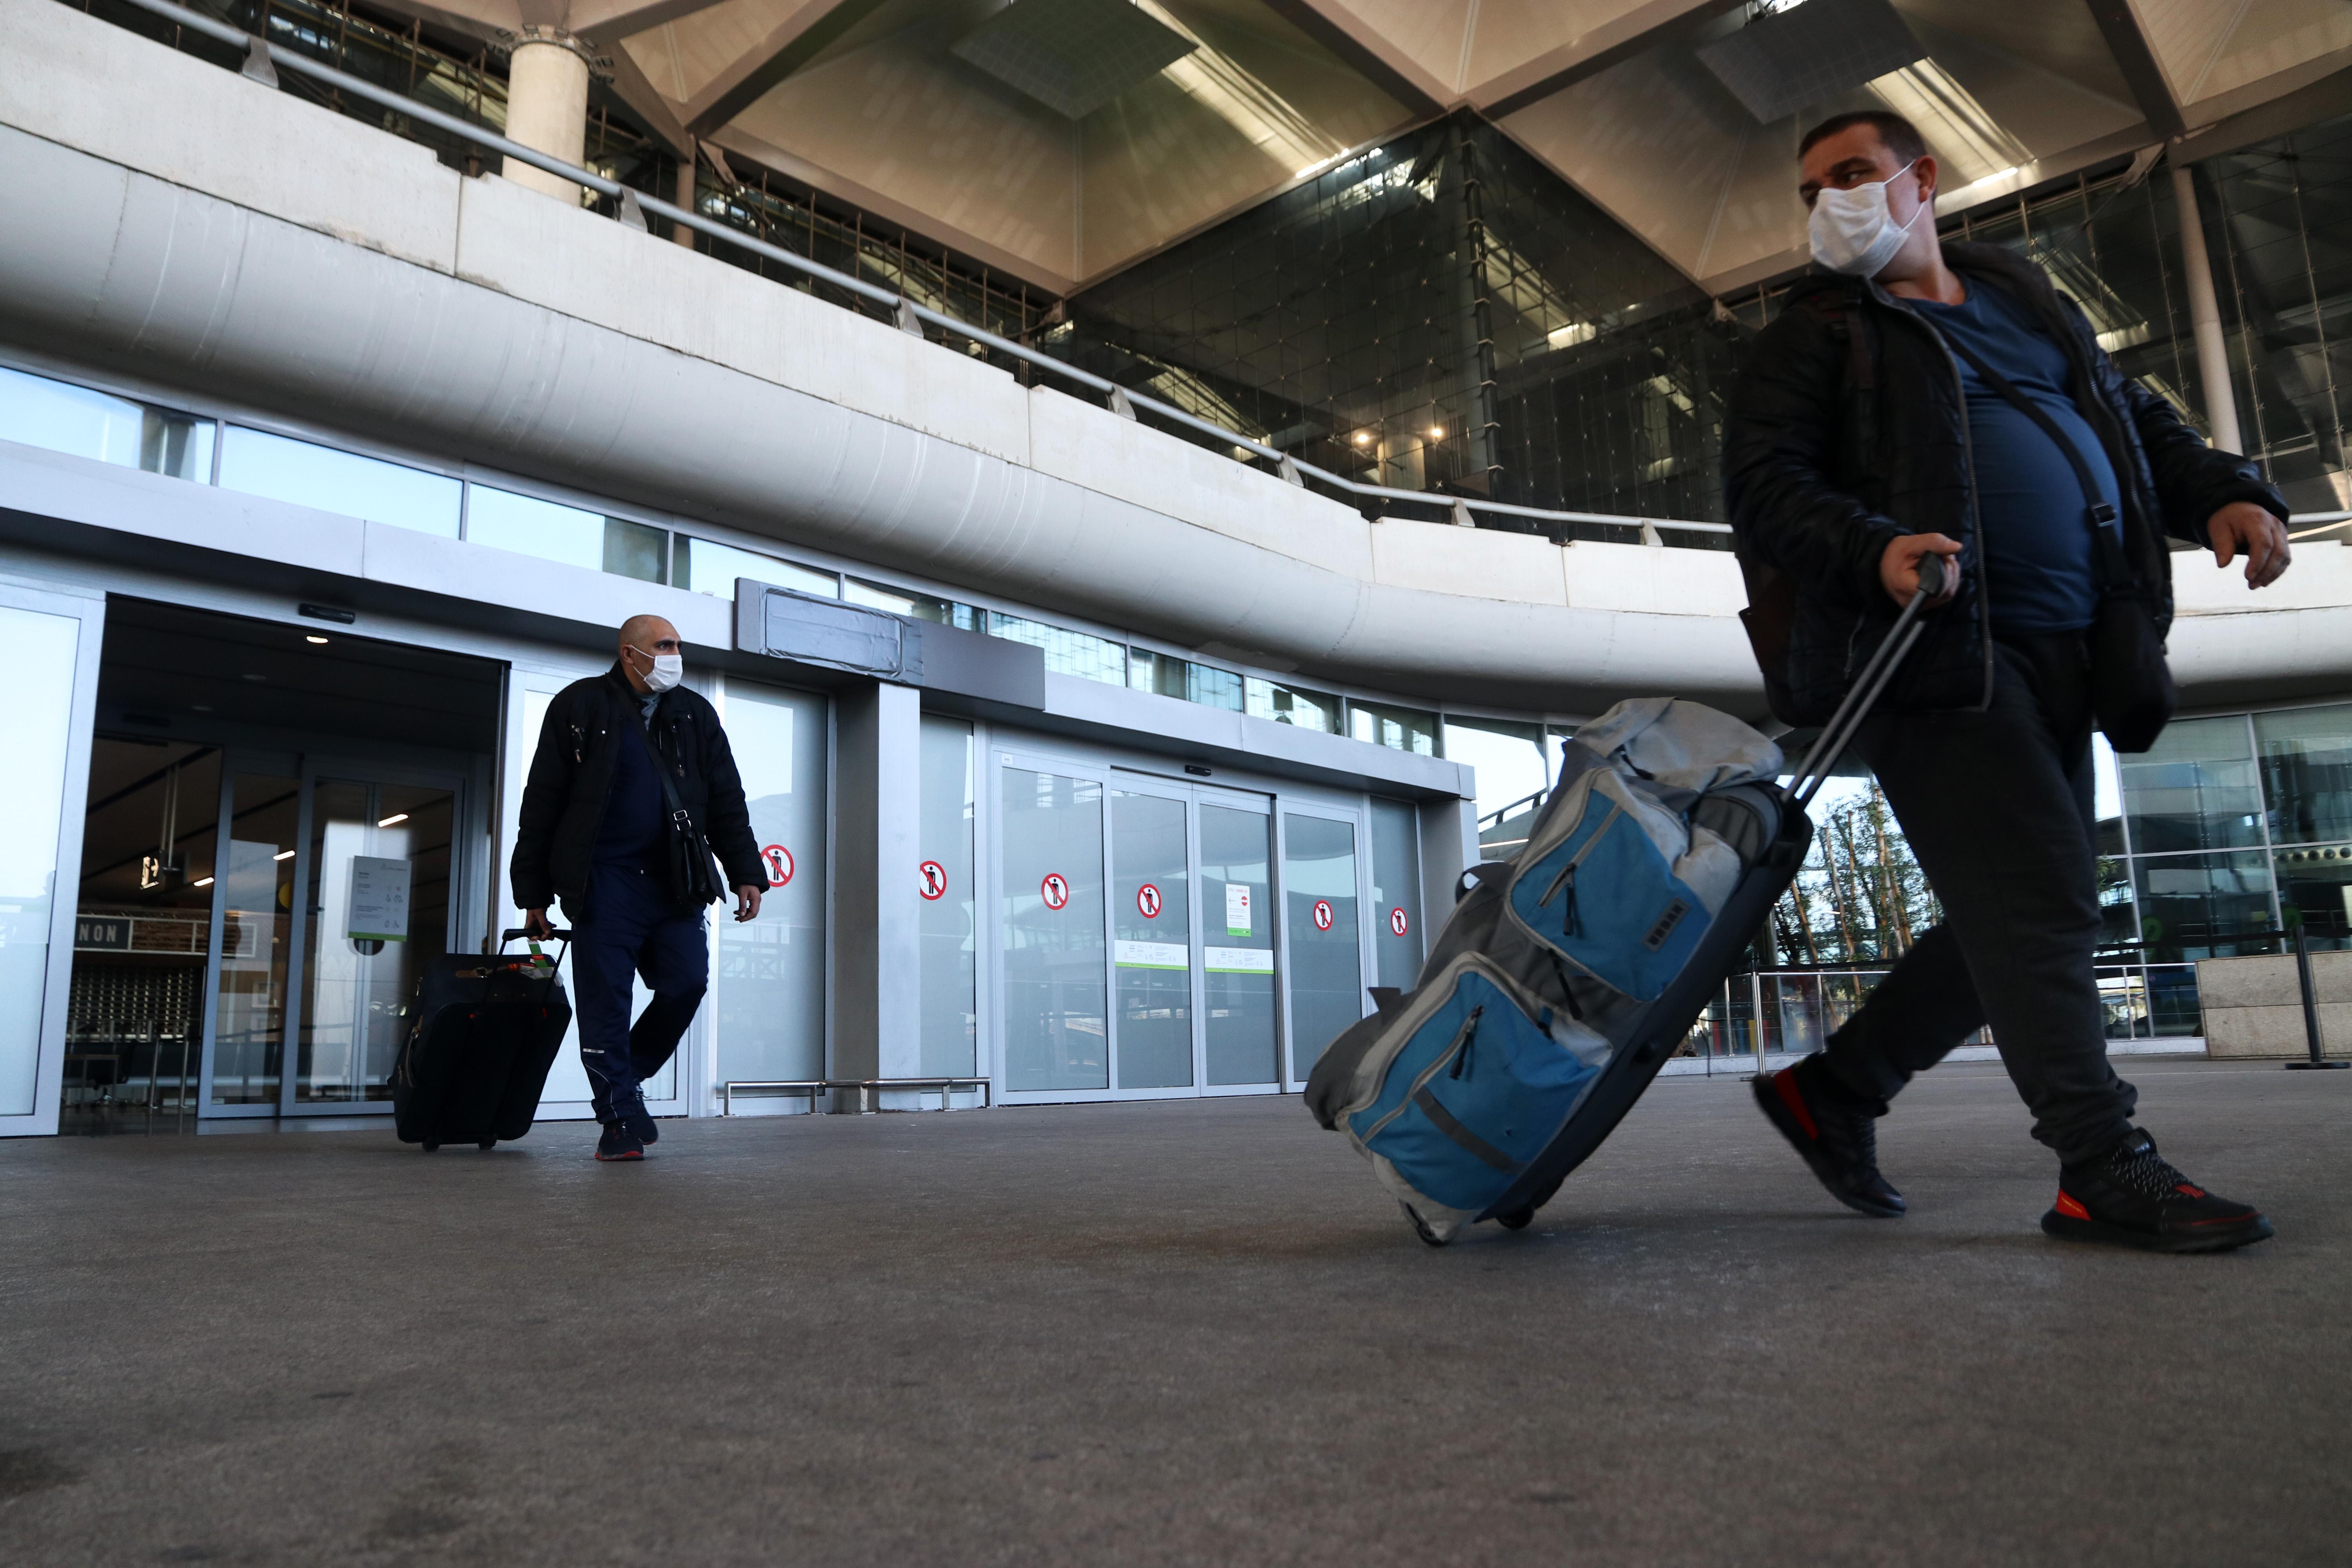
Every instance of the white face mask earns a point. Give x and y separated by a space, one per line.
1851 230
667 670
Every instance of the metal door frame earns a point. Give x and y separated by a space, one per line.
1358 815
1017 754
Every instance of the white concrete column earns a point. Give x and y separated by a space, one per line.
2205 316
877 880
685 198
546 107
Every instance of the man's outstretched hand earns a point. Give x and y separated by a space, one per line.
1898 569
2241 528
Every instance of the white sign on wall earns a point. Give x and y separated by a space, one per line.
1237 909
378 899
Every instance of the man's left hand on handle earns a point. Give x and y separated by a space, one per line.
2241 528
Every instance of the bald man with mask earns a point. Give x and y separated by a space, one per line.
598 830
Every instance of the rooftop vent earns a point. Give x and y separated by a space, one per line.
1808 54
1072 56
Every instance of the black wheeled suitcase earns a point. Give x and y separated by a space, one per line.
1567 976
482 1036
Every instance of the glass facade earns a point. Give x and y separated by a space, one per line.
951 899
307 474
770 988
1237 945
1050 927
1319 925
61 417
32 795
1151 954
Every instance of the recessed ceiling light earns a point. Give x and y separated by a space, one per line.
201 883
283 855
321 641
388 821
1363 438
1437 432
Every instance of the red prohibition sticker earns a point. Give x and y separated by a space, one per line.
1322 915
780 864
935 879
1397 922
1055 888
1147 901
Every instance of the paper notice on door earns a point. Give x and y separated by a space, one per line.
1237 911
1237 961
378 899
1153 955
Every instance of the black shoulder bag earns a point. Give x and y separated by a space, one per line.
688 854
2131 685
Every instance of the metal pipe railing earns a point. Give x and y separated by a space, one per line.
865 1087
634 205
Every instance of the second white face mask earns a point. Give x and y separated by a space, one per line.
668 670
1853 232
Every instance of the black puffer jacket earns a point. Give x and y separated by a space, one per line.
1849 427
571 774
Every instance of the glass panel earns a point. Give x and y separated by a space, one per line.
32 803
1238 946
2315 892
1396 892
1156 672
257 896
707 568
142 923
2306 761
504 520
1512 771
1151 912
1282 704
771 970
377 914
62 417
1067 652
635 550
2194 789
949 934
1327 971
2195 906
1398 729
306 473
1052 923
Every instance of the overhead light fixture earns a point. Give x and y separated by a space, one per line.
1437 432
1363 438
201 883
320 641
397 816
283 855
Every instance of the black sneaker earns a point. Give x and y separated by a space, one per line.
2131 1196
619 1144
1840 1143
633 1115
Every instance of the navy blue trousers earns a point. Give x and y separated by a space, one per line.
628 930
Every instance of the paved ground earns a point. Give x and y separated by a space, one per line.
1186 1332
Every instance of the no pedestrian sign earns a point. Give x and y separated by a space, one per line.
780 864
1056 889
1322 915
1397 921
1147 901
935 879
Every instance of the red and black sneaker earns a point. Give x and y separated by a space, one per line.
1838 1140
2131 1196
618 1144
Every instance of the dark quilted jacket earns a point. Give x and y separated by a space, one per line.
1849 427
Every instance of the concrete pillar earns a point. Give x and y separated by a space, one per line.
546 107
2205 316
877 883
685 198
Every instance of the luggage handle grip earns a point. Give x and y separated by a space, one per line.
1839 733
554 934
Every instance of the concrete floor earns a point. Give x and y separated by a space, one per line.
1178 1333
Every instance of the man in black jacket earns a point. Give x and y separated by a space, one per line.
1870 431
598 830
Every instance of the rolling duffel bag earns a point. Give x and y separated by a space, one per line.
482 1036
1568 974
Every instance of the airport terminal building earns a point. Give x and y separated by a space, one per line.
1147 507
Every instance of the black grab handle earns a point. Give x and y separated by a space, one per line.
554 934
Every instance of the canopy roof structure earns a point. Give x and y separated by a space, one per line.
1060 141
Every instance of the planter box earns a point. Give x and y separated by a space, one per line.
2253 1008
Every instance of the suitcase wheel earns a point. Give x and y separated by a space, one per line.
1517 1219
1420 1229
430 1146
487 1143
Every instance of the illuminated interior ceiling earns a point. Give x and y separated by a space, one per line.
1060 141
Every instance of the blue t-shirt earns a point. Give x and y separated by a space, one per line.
2036 536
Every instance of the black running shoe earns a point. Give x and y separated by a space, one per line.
618 1143
1839 1143
2131 1196
633 1115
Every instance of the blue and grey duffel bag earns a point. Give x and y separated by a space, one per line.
1567 974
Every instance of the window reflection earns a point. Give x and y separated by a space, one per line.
306 473
2194 789
59 417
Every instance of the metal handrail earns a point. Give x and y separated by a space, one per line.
633 206
866 1086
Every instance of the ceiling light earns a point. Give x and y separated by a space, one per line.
320 641
1437 432
388 821
201 883
283 855
1363 438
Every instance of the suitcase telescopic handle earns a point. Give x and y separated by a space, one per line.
1839 733
554 934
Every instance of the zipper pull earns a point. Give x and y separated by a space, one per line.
1568 924
1469 1034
